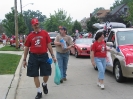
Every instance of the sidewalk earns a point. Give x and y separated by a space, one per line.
6 80
12 52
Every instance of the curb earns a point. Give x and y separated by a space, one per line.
12 91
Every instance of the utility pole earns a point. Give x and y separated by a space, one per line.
21 6
16 23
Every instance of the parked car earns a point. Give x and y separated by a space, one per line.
121 42
81 47
52 36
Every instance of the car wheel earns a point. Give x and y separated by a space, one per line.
118 72
76 54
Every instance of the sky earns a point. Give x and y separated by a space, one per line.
77 9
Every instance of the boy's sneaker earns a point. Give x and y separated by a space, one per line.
38 96
102 86
98 84
45 89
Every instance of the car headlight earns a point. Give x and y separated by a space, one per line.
83 48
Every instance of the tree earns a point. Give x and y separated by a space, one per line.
119 2
9 23
130 15
1 28
76 26
90 23
28 15
58 18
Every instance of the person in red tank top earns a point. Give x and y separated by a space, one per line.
98 57
38 42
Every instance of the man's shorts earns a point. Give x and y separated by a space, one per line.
38 66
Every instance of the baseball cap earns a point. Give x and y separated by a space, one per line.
34 21
62 27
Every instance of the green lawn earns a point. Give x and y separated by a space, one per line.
9 48
8 63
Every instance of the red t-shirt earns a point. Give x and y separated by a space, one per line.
99 49
38 42
3 37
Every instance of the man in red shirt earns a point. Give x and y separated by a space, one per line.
37 42
4 39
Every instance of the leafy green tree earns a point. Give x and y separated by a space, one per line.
115 4
76 26
58 18
28 15
9 23
90 23
1 28
119 2
130 15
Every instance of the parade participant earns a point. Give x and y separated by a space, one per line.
37 42
4 38
98 57
63 54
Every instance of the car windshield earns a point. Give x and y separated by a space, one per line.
53 34
125 37
83 41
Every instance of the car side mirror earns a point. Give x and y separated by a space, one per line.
109 43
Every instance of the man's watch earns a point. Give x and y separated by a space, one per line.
24 59
52 55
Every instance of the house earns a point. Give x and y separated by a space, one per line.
101 14
120 10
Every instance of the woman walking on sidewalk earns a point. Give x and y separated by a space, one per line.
98 57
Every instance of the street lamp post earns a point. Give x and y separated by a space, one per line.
24 5
21 6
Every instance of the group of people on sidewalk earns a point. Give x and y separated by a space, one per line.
38 43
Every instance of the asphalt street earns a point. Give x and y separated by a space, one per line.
81 84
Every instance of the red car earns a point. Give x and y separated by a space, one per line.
81 47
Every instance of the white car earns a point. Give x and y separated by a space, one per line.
52 36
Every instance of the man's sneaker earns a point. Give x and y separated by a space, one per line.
38 96
61 81
102 86
64 79
45 89
98 84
